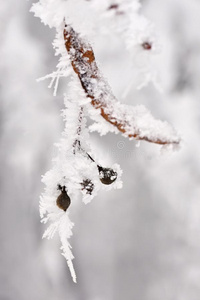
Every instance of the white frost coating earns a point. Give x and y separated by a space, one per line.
133 121
51 12
100 125
74 170
64 68
65 232
138 120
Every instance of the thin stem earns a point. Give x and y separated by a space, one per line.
77 141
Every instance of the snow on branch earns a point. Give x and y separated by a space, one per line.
133 122
76 172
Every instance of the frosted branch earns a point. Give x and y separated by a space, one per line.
133 122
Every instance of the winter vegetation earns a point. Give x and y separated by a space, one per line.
127 67
89 94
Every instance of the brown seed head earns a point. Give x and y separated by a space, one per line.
63 201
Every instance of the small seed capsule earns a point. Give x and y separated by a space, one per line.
107 175
63 201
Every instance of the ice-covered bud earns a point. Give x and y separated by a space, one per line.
107 175
88 186
63 201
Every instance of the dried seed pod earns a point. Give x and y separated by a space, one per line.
107 175
88 185
63 201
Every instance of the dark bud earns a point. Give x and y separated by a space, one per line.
63 201
107 175
116 8
147 45
113 6
88 186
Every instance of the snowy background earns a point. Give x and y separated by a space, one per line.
140 242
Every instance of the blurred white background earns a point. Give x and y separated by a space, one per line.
138 243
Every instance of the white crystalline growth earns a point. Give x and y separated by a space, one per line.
59 219
64 68
73 169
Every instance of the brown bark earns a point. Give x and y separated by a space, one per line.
84 65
